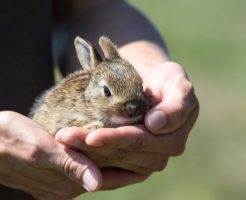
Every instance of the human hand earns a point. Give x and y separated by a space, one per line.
32 161
172 94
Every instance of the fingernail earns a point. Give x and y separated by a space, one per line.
90 140
90 180
156 120
59 133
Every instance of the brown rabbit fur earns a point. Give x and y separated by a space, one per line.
104 93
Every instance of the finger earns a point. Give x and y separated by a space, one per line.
173 111
77 167
73 137
139 162
138 138
116 178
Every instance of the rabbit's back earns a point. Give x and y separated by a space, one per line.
58 106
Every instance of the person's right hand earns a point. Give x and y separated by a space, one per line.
32 161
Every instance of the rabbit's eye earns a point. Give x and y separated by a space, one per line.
106 91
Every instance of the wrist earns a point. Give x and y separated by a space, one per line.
144 53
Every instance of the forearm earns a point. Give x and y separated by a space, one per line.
143 53
136 37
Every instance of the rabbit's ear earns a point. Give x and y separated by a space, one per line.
87 54
109 49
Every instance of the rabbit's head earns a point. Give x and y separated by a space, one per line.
115 92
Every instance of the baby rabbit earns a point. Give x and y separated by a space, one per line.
104 93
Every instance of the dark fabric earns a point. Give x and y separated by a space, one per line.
26 66
10 194
25 52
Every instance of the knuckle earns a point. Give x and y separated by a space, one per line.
186 95
34 154
177 118
5 116
190 99
189 87
71 169
181 110
66 165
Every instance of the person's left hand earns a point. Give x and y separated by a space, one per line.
137 148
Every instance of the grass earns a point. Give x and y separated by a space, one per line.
209 39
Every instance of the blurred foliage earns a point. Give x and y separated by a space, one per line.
209 39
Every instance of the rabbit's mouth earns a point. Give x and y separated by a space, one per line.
117 121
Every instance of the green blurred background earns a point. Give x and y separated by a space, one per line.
209 39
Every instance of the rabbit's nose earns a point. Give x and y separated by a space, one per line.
133 109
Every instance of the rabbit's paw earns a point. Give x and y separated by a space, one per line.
94 125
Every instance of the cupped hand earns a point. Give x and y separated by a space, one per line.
31 160
173 97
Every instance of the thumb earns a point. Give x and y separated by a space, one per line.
168 116
79 168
